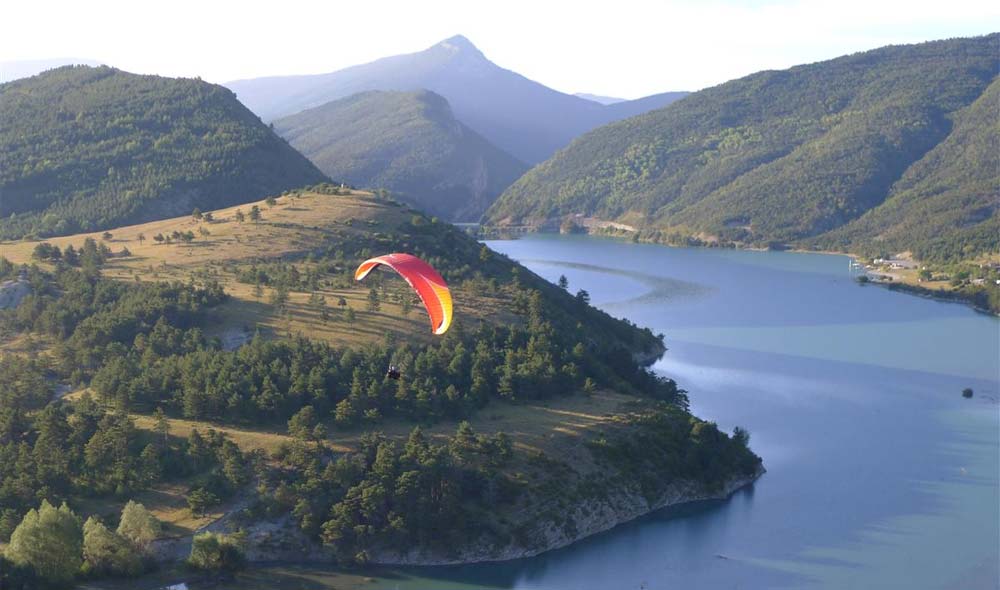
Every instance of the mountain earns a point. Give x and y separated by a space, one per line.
17 69
945 205
522 117
598 98
790 156
84 148
409 143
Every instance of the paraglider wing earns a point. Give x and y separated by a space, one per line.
425 281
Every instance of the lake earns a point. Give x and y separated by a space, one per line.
880 474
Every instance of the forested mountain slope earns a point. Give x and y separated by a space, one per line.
408 143
85 148
524 118
945 206
786 156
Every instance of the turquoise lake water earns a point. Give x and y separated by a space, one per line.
880 475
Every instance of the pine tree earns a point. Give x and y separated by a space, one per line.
374 304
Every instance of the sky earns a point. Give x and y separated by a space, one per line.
622 48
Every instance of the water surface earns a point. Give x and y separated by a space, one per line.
880 475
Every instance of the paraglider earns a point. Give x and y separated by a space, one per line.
426 281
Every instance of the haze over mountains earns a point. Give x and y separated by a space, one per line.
524 118
598 98
894 148
84 148
409 143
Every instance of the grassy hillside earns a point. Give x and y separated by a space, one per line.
85 148
408 143
292 228
520 116
786 156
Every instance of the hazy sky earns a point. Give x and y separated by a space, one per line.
625 48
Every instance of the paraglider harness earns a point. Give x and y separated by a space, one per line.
393 372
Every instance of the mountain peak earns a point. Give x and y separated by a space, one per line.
459 44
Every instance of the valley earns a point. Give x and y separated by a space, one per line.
609 314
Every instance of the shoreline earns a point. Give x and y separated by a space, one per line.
904 286
936 295
598 517
280 542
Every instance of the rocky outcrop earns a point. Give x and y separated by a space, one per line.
588 518
281 541
12 292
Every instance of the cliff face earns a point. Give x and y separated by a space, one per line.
589 517
281 540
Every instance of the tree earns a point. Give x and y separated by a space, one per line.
141 237
196 214
302 423
106 236
255 214
158 238
138 525
741 436
373 300
563 282
161 426
208 217
279 297
49 540
70 257
270 202
240 217
258 290
350 316
150 467
583 297
217 552
341 302
200 500
345 412
105 552
407 306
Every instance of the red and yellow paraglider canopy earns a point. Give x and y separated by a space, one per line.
425 281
